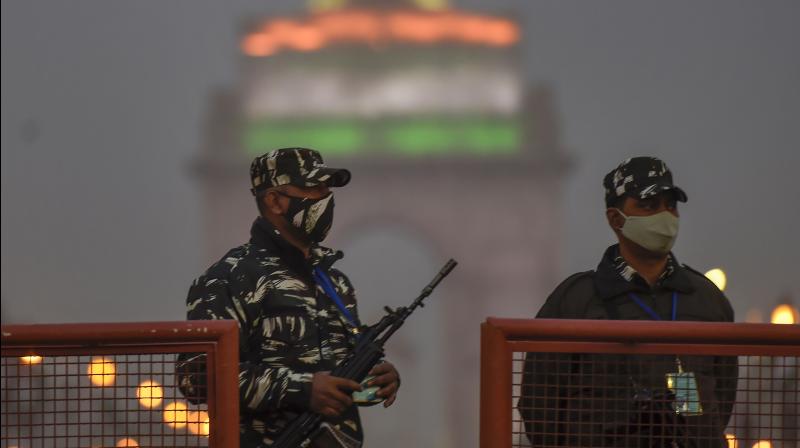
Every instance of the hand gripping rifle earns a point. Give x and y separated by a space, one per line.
367 352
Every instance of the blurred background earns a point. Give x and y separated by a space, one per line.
476 130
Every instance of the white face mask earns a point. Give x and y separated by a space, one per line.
656 233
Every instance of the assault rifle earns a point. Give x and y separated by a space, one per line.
367 352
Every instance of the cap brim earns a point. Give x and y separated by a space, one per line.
656 189
332 177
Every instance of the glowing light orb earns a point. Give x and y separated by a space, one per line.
32 359
199 423
754 316
101 371
784 314
732 442
762 444
176 414
127 443
150 394
718 277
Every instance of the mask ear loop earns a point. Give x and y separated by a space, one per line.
621 214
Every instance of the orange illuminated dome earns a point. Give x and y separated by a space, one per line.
198 423
150 394
30 359
176 414
101 371
378 27
784 314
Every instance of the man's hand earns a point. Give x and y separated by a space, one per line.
387 378
330 395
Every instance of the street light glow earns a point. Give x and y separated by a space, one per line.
150 394
718 277
175 414
199 423
32 359
784 314
101 371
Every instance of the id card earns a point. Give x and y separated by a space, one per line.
687 398
368 394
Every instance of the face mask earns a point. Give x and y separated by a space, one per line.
656 233
313 217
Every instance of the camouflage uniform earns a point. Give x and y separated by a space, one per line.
288 327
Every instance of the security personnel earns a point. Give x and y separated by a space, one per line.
612 400
297 315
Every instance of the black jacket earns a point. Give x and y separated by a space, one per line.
622 400
288 328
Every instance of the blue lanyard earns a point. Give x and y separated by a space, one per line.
324 282
650 311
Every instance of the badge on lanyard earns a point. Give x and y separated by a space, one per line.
684 386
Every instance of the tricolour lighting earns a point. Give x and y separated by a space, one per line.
372 27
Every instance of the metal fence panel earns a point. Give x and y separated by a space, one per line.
639 384
116 385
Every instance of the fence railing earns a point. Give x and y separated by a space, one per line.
557 383
115 385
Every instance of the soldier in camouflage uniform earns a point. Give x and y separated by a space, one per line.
622 400
291 331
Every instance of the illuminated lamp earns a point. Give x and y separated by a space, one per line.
101 371
784 314
198 423
762 444
127 442
732 442
175 414
150 394
754 316
718 277
31 359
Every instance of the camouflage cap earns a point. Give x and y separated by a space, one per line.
301 167
640 177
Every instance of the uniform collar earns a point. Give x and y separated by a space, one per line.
609 281
265 236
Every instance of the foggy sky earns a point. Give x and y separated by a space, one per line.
103 106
